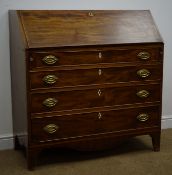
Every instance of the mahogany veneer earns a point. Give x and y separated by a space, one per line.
84 79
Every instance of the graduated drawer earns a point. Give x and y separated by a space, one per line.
78 125
67 58
89 98
68 78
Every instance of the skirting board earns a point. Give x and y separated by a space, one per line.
166 122
7 141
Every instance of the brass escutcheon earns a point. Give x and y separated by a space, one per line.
143 117
50 59
50 102
50 79
100 55
91 14
99 116
99 92
100 72
51 128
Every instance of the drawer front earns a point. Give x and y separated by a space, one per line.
68 78
59 127
49 59
78 99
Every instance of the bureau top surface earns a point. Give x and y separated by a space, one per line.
60 28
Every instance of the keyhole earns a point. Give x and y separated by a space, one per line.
100 55
100 72
99 116
90 14
99 92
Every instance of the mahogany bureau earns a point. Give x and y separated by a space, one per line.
84 79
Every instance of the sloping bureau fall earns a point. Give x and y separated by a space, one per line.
84 79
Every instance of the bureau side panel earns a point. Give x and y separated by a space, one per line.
18 80
162 71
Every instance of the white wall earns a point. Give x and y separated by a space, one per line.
161 11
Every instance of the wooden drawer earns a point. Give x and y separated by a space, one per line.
78 99
77 125
67 58
68 78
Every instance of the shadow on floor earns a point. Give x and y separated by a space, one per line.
51 156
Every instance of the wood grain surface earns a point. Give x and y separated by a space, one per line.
77 28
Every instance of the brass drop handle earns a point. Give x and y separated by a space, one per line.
143 117
51 128
50 79
143 94
143 73
144 55
99 116
50 102
50 59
